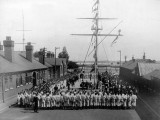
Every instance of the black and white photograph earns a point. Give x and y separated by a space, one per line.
79 60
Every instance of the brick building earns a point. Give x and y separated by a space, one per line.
18 70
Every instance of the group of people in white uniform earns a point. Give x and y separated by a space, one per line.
115 96
78 99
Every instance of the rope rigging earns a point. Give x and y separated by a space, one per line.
87 52
106 36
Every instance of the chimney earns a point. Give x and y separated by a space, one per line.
41 56
133 58
125 58
29 51
144 56
8 48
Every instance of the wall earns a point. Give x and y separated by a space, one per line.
15 83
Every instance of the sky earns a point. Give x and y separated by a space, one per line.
53 21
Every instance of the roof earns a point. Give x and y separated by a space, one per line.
154 74
146 68
133 63
59 61
130 65
46 64
19 63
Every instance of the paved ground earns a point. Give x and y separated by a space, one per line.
148 106
92 114
77 84
95 114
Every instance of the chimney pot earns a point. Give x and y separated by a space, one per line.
8 38
28 43
29 51
8 48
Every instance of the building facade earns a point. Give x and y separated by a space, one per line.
18 70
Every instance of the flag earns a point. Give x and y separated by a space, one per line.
96 15
96 2
94 27
95 5
94 8
92 68
115 40
94 55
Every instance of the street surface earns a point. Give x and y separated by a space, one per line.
148 106
94 114
15 113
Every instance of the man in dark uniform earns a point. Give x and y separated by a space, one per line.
35 100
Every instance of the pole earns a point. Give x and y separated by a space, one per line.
120 58
120 61
2 89
55 65
55 61
96 44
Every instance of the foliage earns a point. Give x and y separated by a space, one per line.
36 54
72 65
64 54
50 54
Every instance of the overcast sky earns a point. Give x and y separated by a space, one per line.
52 22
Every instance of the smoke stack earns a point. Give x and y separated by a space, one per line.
125 58
133 58
144 56
29 51
41 56
8 48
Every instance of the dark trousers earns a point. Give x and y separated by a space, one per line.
35 108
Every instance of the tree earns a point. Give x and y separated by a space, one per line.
50 54
72 65
36 54
64 54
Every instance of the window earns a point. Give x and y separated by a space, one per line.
17 81
23 80
10 82
20 80
6 83
26 78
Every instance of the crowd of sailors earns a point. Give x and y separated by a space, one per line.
113 94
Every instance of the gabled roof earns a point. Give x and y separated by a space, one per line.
152 75
146 68
130 65
133 63
19 63
59 61
46 64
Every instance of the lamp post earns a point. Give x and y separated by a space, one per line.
120 58
55 61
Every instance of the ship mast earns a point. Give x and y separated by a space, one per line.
23 30
95 28
95 9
